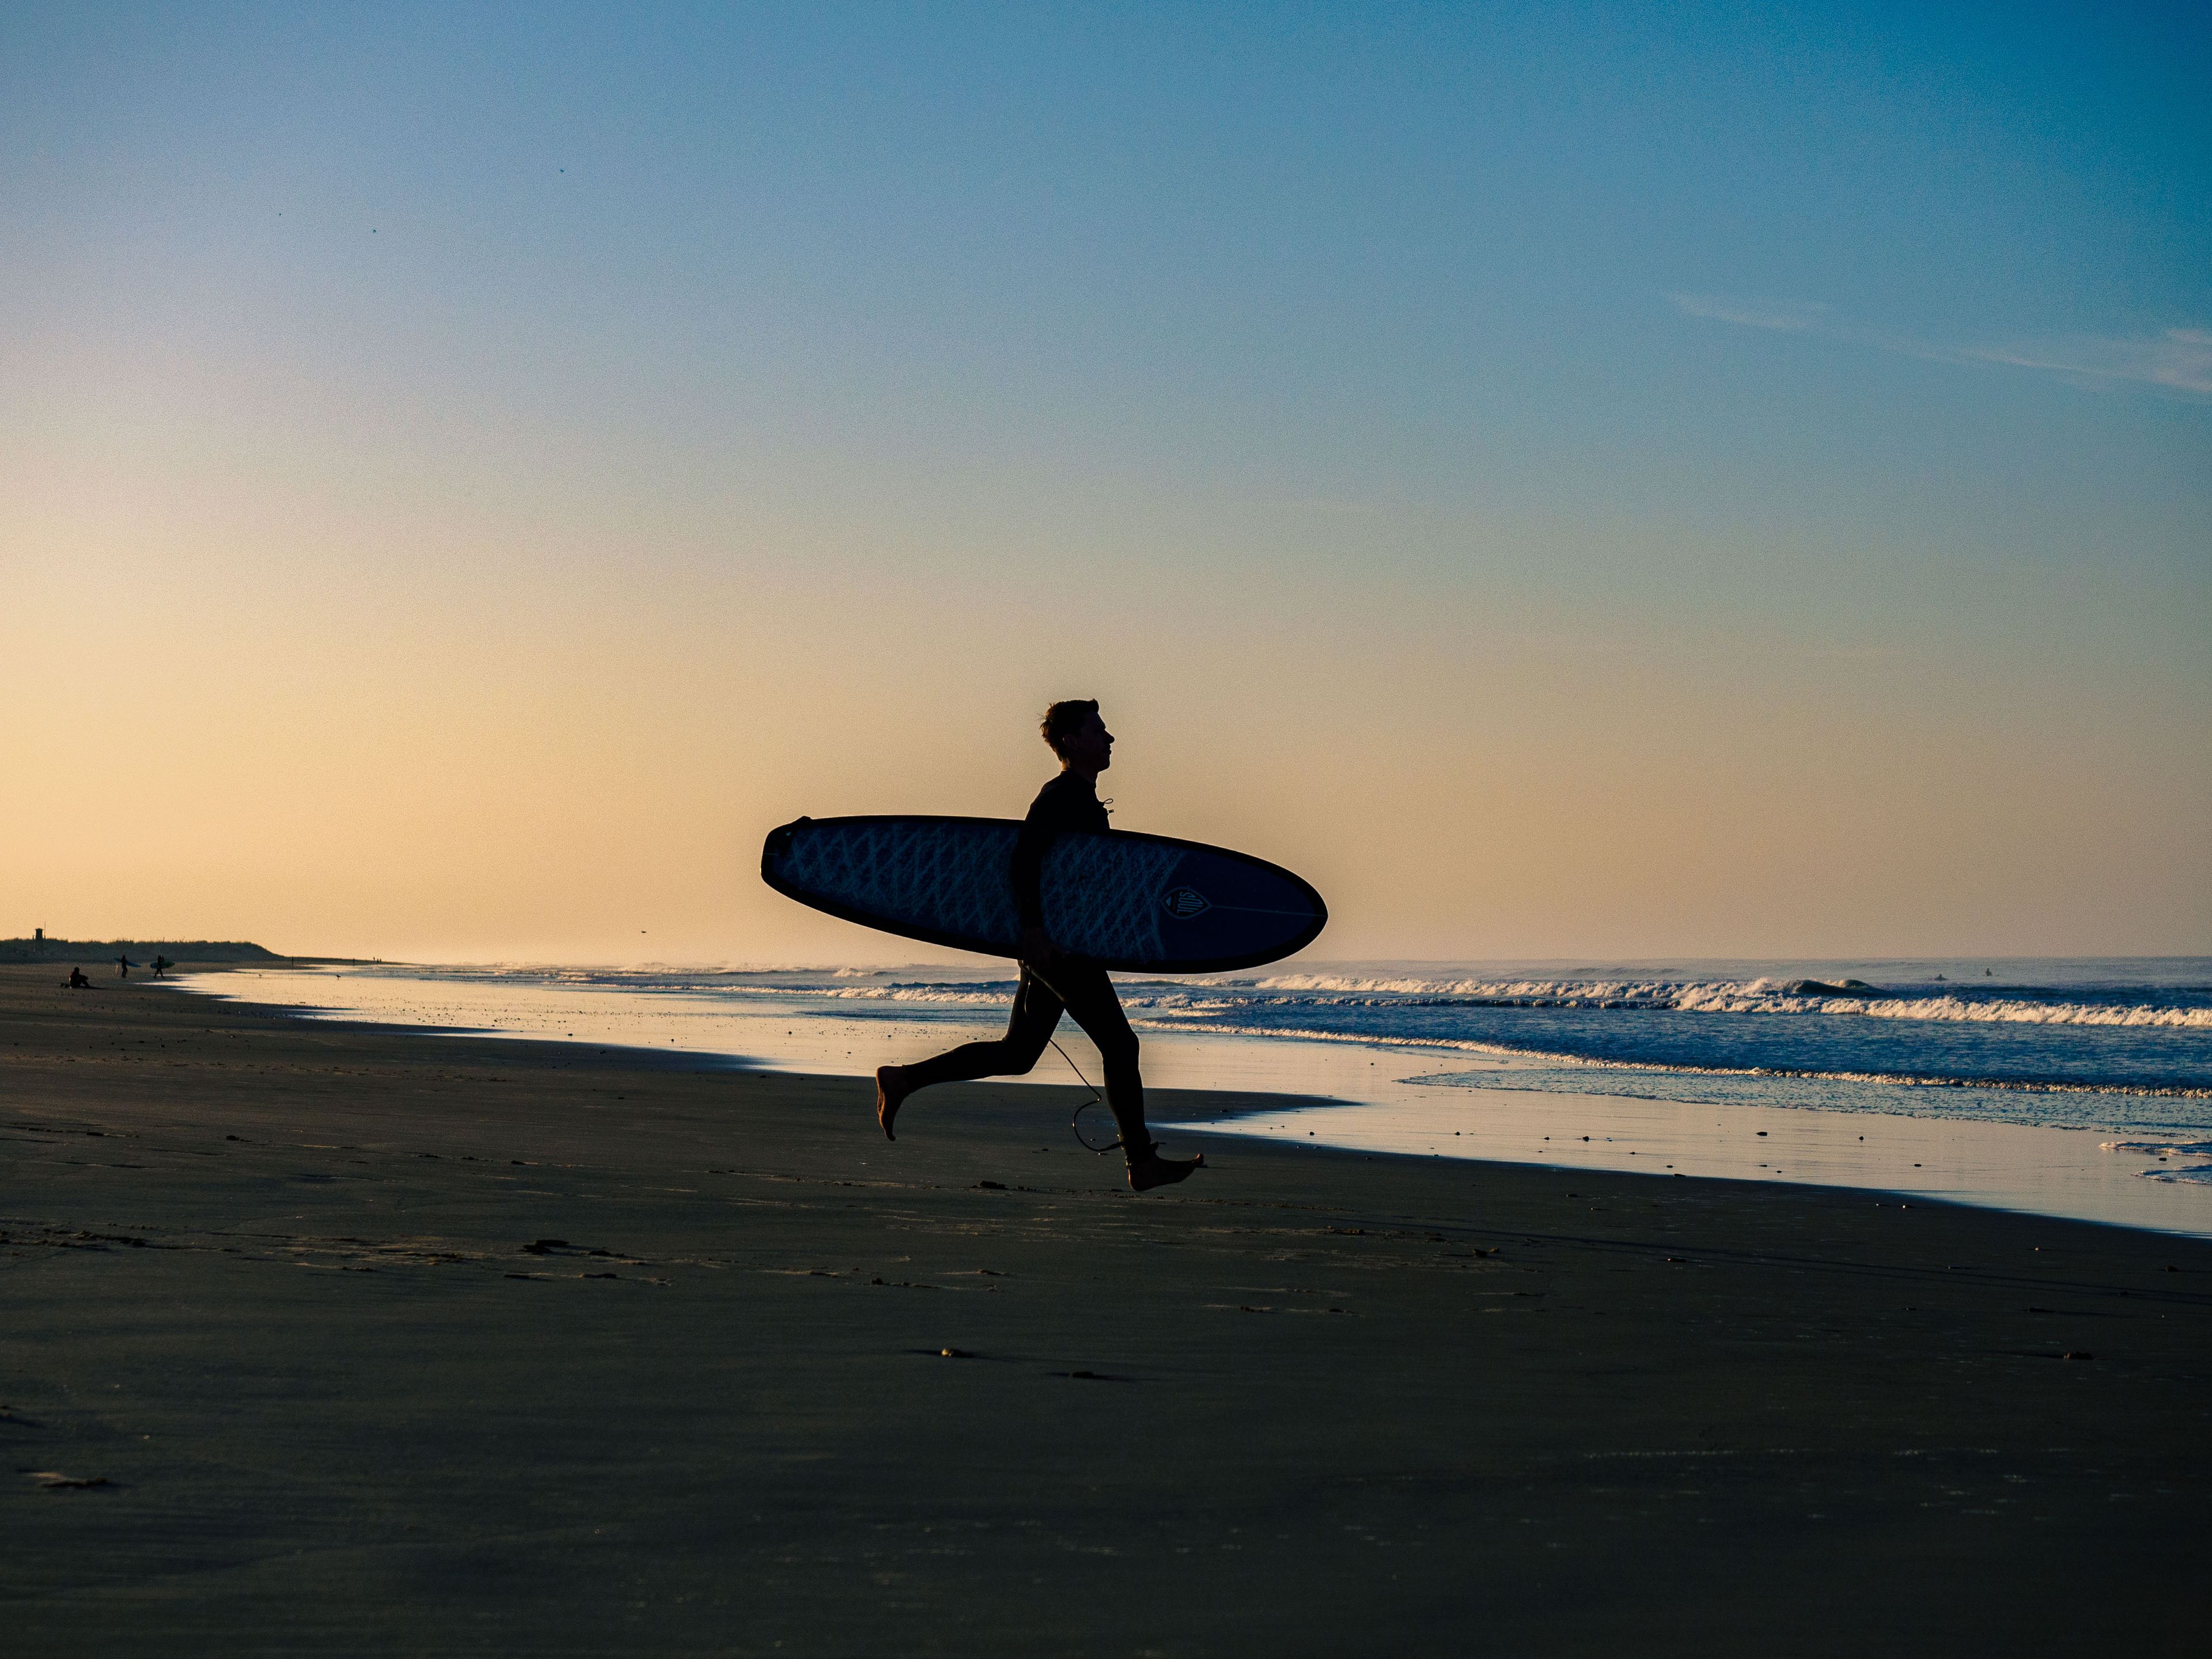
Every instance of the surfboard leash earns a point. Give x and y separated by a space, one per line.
1075 1121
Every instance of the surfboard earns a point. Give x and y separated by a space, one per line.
1125 900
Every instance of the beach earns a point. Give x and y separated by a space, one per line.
327 1336
2107 1115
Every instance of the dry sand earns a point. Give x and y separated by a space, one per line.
286 1370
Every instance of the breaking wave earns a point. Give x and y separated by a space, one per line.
1759 996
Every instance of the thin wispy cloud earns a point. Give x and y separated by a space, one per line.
2179 360
1792 316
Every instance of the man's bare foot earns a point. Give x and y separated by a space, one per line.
890 1093
1150 1170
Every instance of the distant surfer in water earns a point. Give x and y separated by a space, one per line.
1052 983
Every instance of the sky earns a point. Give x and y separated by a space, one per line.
1572 481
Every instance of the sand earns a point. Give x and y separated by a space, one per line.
291 1362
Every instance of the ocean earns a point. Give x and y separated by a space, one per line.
2072 1086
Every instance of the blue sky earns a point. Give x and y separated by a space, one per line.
1355 376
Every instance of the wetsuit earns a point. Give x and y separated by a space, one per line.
1082 988
1070 801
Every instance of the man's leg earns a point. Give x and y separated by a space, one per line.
1029 1027
1090 998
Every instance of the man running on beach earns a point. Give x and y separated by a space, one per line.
1052 981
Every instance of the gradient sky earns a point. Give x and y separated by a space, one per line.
1572 481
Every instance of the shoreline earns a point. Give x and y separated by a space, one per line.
1250 1109
1357 1095
336 1335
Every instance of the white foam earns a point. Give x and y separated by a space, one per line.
996 996
2165 1150
2041 1013
1758 996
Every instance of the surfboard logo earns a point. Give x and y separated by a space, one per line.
1184 903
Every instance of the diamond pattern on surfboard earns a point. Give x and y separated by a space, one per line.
1101 896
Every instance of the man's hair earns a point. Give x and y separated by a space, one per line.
1062 719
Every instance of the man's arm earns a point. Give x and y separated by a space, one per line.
1029 848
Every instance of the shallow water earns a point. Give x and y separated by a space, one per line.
2067 1088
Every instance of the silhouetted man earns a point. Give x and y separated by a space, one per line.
77 982
123 967
1052 981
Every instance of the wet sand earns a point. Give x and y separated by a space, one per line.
292 1360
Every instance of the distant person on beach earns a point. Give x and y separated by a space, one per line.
161 965
1052 983
123 967
77 982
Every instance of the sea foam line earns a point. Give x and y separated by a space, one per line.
1906 1079
2198 1150
1763 996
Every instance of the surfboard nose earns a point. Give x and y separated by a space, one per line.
779 841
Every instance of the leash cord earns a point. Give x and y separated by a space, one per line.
1075 1121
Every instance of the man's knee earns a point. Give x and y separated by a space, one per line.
1119 1052
1020 1061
